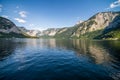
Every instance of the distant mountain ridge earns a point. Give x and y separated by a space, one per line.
103 25
31 33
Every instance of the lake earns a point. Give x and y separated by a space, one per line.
59 59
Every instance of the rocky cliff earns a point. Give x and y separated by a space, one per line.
97 22
9 29
112 31
50 32
102 25
95 27
31 33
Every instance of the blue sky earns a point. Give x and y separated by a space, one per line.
42 14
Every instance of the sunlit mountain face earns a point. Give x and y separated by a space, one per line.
59 40
43 14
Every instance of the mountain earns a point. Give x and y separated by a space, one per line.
66 32
50 32
31 33
9 29
102 25
112 31
97 22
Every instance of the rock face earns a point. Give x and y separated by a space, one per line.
97 22
93 27
102 25
32 33
66 32
23 29
112 31
115 23
9 29
6 26
36 33
50 32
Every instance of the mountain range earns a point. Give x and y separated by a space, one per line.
103 25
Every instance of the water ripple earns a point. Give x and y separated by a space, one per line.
50 59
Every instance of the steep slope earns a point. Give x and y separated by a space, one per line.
95 24
100 26
104 25
31 33
9 29
91 28
50 32
66 32
112 31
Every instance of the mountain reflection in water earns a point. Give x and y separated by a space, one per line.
59 59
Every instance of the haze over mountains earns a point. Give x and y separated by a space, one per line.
103 25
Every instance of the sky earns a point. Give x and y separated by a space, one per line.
43 14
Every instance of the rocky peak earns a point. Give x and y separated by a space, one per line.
115 22
50 31
96 22
7 26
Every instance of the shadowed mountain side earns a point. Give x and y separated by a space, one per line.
103 25
93 28
8 29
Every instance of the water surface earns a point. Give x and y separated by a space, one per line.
59 59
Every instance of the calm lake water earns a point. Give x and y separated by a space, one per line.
54 59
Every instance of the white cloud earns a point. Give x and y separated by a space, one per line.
20 20
31 25
115 4
23 14
1 6
5 16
